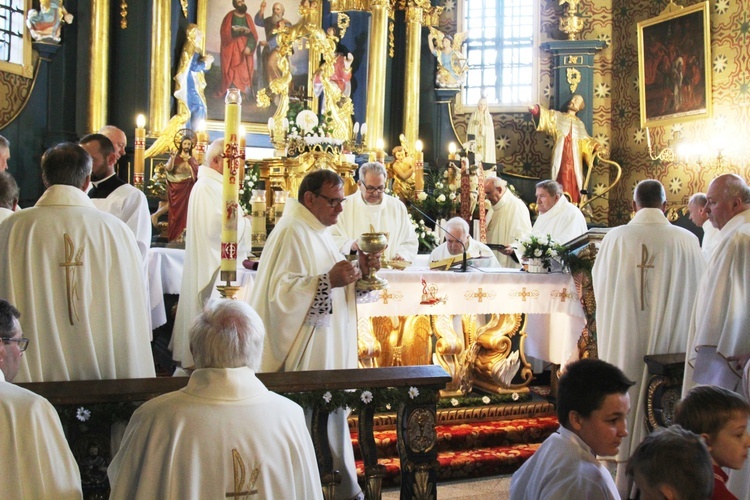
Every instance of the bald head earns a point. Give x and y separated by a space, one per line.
118 138
649 194
727 196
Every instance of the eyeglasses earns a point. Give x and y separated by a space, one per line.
332 202
373 189
23 343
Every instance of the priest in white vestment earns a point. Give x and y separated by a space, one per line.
645 278
457 239
507 220
203 249
114 195
225 434
719 344
74 272
371 209
304 291
557 216
699 217
37 462
592 406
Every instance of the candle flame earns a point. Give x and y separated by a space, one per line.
140 121
418 146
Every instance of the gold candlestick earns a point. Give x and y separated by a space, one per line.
139 160
201 142
418 168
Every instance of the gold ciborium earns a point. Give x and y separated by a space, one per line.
372 243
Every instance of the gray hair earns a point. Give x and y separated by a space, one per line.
372 167
67 164
552 187
215 149
649 194
227 334
4 143
8 191
457 227
698 199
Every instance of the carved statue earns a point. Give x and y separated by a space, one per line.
452 63
402 171
45 24
182 172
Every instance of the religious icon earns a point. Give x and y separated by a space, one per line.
46 23
182 172
452 64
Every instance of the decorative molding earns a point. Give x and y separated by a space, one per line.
15 91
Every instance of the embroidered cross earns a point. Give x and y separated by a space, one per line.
239 478
645 265
72 260
562 294
385 296
523 294
479 294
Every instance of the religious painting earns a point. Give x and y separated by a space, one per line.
240 36
674 65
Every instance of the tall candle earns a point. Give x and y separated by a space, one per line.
418 168
201 142
243 146
139 160
231 185
258 217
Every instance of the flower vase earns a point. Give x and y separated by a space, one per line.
537 266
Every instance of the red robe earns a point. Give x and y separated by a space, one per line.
236 67
178 194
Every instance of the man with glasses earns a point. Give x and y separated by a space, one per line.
304 291
371 210
37 462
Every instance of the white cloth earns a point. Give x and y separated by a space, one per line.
473 249
564 221
711 238
37 462
218 422
88 320
563 467
283 293
202 257
507 221
390 216
5 213
130 205
645 278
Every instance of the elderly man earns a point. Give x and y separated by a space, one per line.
37 462
4 153
557 216
202 250
8 195
457 239
75 273
719 346
118 138
114 195
699 217
508 219
370 209
219 422
645 278
304 291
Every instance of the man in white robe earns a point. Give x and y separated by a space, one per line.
508 219
304 291
214 438
592 407
645 278
114 195
557 216
719 343
203 250
699 217
8 195
74 272
456 239
370 208
37 462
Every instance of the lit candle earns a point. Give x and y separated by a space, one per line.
418 168
379 151
363 131
231 185
139 161
201 140
452 151
258 217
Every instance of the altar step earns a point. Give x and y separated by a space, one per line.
471 442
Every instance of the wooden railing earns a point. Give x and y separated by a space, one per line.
397 386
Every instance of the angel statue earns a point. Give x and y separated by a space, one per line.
452 64
402 171
45 24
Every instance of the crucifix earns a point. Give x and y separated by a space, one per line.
72 260
645 265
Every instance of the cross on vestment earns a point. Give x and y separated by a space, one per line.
646 264
239 478
72 260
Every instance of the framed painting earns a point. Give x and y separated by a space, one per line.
242 42
674 65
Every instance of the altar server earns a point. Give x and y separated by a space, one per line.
645 278
214 438
557 216
74 272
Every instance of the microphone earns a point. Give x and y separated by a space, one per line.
430 219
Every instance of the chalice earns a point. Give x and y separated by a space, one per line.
372 243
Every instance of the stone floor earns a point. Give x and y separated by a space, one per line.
488 487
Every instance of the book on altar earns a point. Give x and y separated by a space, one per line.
456 260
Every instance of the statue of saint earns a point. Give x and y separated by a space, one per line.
483 130
451 62
402 171
190 81
45 24
182 172
573 145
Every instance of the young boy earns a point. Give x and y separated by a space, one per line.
720 417
592 405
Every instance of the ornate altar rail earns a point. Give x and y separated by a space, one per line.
416 416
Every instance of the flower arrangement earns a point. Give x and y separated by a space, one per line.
425 235
543 248
252 176
441 197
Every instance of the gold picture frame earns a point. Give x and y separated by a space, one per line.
674 66
254 118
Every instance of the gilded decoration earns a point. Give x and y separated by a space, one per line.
15 91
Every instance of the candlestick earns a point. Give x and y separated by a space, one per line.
258 217
231 184
139 160
201 142
279 202
418 168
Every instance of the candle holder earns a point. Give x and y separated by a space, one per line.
258 218
372 243
279 202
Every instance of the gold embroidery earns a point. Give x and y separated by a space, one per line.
524 294
645 265
562 294
239 478
72 260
